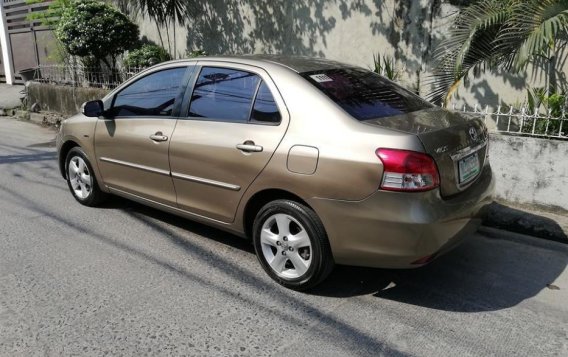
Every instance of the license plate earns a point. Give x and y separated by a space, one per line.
468 167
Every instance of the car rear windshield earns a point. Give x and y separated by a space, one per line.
364 94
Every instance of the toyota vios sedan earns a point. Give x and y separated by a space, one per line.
318 162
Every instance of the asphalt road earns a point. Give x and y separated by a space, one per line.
129 280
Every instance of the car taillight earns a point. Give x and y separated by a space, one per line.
406 170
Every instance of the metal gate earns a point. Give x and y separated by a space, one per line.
32 44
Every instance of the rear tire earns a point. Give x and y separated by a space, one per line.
291 244
81 179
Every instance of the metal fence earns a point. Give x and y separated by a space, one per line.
82 76
521 121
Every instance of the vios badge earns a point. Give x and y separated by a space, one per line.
473 133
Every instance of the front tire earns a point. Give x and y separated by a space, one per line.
81 178
291 244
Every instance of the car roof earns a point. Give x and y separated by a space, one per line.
298 64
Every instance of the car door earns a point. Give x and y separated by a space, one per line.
234 123
131 145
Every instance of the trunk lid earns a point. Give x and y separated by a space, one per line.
457 142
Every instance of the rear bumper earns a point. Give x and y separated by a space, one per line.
393 229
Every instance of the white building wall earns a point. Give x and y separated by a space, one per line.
348 31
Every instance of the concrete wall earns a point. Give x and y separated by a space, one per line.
62 99
530 171
351 31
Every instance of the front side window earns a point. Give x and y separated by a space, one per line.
152 95
364 94
223 94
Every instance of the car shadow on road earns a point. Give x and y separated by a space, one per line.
217 235
330 327
482 274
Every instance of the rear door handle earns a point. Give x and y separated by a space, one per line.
249 146
158 137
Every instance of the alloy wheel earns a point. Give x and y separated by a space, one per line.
286 246
80 177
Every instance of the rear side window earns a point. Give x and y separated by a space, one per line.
223 94
265 109
364 94
152 95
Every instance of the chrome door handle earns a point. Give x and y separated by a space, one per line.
249 146
158 137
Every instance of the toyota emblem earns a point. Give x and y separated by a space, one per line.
473 133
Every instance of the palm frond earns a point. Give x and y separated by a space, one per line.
469 45
501 33
532 30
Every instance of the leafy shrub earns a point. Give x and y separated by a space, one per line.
195 53
50 16
551 105
386 66
146 56
94 28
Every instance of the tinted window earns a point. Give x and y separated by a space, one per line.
265 109
364 94
153 95
222 93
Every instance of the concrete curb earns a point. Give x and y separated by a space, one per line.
7 112
43 118
533 241
531 222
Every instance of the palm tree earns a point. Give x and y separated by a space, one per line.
164 13
508 34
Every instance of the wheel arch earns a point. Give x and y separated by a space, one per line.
259 199
65 148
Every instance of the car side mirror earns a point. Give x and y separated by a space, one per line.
94 108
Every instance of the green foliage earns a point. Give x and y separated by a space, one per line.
50 16
161 11
539 98
195 53
535 98
386 66
553 105
94 28
164 13
146 56
508 34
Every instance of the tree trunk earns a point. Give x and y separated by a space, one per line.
111 70
169 40
159 34
552 78
451 91
175 49
106 62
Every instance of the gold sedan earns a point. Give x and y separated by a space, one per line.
316 161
